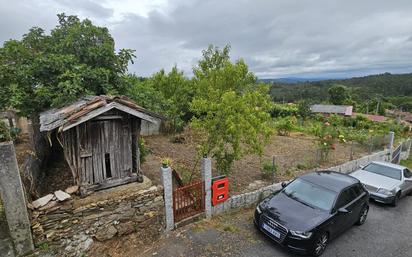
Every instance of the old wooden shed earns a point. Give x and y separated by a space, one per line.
99 136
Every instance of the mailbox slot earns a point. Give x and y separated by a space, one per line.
220 190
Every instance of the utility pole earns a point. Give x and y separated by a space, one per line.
377 107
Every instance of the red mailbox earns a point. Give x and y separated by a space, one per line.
220 190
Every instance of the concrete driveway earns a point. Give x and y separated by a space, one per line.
387 232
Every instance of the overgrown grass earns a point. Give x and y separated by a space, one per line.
407 162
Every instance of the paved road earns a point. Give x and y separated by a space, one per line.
387 232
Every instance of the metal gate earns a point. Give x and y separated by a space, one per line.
188 200
396 155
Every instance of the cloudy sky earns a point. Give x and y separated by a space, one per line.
277 38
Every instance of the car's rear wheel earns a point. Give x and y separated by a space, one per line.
363 215
396 199
320 244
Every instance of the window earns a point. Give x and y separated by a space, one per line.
310 194
345 197
384 170
358 189
407 173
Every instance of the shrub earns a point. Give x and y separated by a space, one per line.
4 132
15 133
285 125
268 170
143 150
284 110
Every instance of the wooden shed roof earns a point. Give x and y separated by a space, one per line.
89 107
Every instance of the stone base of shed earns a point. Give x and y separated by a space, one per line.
110 183
72 226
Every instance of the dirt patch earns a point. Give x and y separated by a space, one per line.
22 148
224 235
131 245
294 155
58 175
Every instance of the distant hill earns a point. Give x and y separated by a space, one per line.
362 88
291 80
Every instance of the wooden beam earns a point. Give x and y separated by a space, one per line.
110 183
108 107
108 117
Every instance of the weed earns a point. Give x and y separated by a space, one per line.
44 246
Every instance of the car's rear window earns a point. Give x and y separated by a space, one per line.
384 170
310 194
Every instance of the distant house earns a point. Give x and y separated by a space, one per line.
326 109
374 118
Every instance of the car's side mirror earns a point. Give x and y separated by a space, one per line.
284 184
361 167
343 210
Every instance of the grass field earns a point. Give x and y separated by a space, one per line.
407 163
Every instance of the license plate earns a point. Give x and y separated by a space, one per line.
272 231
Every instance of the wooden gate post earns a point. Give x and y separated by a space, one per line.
166 175
14 200
207 178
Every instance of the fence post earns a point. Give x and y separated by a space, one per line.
14 200
274 170
391 139
207 178
351 152
408 150
166 176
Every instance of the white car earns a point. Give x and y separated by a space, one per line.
385 182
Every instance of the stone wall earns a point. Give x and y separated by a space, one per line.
350 166
251 198
246 199
73 225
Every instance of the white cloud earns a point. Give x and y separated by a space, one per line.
276 38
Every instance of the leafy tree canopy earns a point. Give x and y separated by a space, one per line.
166 93
76 59
338 94
228 107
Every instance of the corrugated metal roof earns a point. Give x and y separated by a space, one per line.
376 118
336 109
70 114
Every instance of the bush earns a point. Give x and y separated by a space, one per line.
268 170
4 132
143 150
285 125
15 133
284 110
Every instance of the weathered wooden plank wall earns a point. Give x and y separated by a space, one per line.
92 145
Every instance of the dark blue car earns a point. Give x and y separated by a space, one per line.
311 210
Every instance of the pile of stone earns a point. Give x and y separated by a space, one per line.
51 200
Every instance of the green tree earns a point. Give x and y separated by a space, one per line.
166 93
76 59
338 94
229 108
304 109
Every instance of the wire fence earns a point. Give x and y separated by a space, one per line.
315 157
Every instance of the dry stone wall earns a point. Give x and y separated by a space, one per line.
74 228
